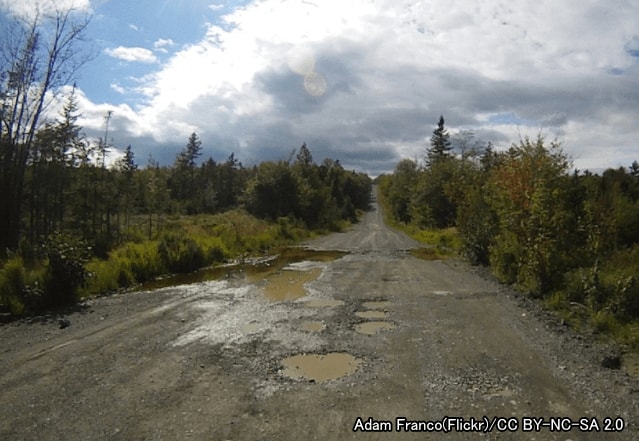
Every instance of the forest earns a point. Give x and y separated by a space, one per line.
567 237
74 225
86 228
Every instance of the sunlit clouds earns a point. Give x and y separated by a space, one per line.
365 81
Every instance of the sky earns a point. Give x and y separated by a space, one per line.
362 81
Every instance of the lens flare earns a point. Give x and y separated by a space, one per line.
315 84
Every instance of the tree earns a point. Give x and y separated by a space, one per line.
440 146
402 188
127 167
49 177
183 180
192 151
40 56
527 192
304 156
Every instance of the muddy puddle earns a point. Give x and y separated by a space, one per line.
313 326
320 367
289 284
383 305
372 314
323 303
371 328
252 269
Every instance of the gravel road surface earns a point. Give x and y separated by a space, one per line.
370 344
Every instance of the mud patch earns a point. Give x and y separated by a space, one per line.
323 303
383 305
372 314
289 284
320 367
313 326
255 268
371 328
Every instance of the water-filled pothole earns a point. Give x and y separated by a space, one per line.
313 326
442 293
372 314
371 328
289 284
251 268
377 305
323 303
320 367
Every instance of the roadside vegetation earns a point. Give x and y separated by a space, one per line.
87 229
568 238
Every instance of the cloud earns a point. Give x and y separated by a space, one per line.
162 44
119 89
138 54
216 7
381 72
29 9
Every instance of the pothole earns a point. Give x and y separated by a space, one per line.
320 367
250 328
323 303
371 328
372 314
289 284
377 305
441 293
313 326
254 269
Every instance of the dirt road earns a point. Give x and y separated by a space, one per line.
373 338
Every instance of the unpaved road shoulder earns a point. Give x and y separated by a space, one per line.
205 361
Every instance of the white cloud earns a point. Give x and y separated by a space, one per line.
162 44
119 89
28 9
138 54
216 7
387 69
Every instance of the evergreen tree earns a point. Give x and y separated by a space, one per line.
440 146
183 180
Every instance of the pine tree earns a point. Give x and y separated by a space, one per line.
440 146
183 180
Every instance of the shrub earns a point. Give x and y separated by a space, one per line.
143 260
66 272
13 285
180 254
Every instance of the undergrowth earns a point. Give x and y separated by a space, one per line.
64 273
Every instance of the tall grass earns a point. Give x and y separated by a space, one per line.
188 243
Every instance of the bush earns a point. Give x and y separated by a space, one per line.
13 285
66 272
180 254
143 260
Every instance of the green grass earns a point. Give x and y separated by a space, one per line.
446 243
188 243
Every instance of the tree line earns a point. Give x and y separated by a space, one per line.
567 236
68 187
130 223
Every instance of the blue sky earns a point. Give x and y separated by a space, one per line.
363 81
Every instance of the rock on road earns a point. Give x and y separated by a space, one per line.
205 361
